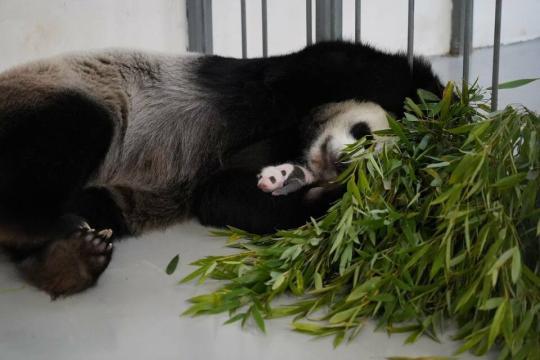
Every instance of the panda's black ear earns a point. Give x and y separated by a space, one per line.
283 172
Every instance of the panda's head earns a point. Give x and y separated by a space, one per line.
336 125
273 177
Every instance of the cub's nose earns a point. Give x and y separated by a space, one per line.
264 186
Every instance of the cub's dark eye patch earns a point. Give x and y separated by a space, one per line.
359 130
283 172
272 179
259 176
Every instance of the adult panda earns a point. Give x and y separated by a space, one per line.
129 141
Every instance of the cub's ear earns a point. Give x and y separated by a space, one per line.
283 172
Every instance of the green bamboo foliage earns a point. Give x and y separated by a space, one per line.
441 223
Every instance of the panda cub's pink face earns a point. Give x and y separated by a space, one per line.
273 177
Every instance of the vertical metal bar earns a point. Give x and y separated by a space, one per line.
243 21
496 54
322 20
467 39
332 20
264 9
207 26
309 19
337 19
357 20
410 35
199 14
328 20
456 36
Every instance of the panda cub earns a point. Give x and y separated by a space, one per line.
284 179
344 123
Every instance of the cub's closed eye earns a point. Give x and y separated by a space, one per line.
259 176
272 179
359 130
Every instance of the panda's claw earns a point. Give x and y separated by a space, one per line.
105 234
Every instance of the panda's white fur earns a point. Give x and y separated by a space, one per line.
335 134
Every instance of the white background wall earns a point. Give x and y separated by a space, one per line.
384 24
520 21
36 28
31 29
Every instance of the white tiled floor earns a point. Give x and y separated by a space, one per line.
133 312
517 61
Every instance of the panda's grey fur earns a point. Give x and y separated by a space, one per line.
162 120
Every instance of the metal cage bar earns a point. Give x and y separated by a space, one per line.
264 20
199 16
496 55
357 20
456 36
328 20
243 24
309 20
410 35
467 40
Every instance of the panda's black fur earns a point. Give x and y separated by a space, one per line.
131 141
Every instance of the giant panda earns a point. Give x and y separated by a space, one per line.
98 146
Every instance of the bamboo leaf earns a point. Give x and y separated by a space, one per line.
200 271
398 130
171 266
258 319
516 264
491 303
496 324
441 220
361 290
235 318
510 181
342 316
338 339
514 83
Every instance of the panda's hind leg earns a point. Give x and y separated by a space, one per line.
51 142
72 261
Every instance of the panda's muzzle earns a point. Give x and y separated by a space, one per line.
324 162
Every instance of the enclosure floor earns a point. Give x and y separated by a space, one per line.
133 312
517 61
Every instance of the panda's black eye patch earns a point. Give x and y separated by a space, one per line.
283 172
259 176
359 130
272 179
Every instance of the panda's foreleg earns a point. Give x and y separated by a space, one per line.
231 197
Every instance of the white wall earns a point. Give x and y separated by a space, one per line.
384 24
31 29
519 21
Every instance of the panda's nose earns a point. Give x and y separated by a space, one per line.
262 185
